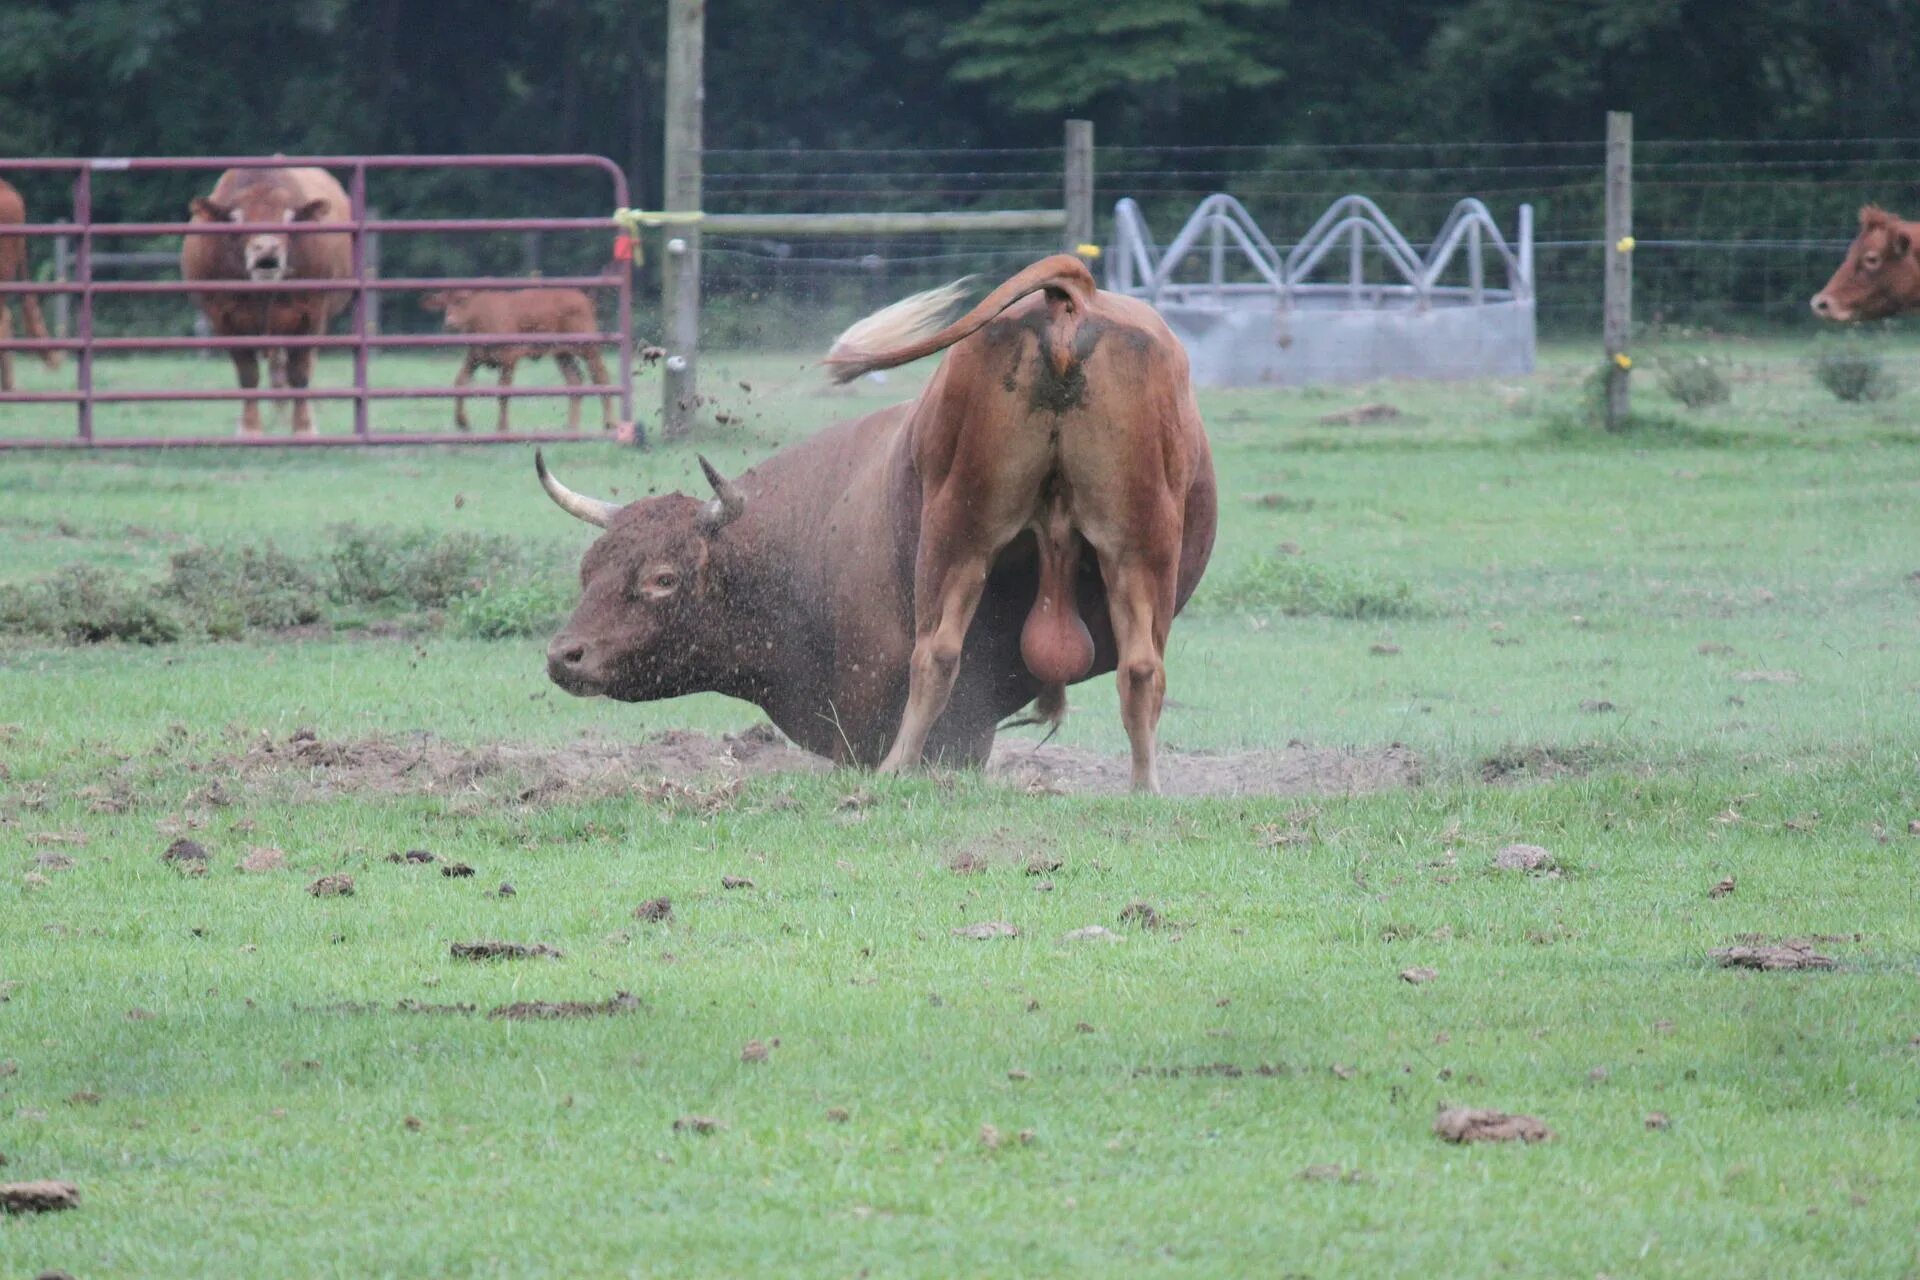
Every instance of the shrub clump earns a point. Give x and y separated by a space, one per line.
1297 588
417 567
84 605
500 611
1854 376
226 591
1697 382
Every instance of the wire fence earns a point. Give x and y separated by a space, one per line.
1733 236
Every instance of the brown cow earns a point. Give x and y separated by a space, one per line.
892 588
1880 276
13 268
286 196
554 311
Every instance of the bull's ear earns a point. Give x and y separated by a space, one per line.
209 210
310 211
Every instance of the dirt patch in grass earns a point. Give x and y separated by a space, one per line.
1535 764
549 1010
1290 771
502 950
1788 954
1471 1124
306 766
38 1197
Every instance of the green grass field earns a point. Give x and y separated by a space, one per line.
1684 656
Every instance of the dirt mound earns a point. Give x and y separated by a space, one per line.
308 767
1293 770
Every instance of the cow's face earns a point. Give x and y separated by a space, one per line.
456 303
645 626
1879 278
264 255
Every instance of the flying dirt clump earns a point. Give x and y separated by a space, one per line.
549 1010
502 950
336 886
1788 954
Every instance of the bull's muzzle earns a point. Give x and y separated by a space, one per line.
567 667
1824 307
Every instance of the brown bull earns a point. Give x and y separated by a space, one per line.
13 269
556 311
893 588
289 197
1879 277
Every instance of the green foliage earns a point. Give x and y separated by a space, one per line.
84 605
1695 381
1045 55
226 591
1854 375
1299 588
501 611
1584 422
418 567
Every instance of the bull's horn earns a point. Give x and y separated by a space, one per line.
592 510
727 504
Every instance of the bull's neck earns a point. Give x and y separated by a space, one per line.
768 642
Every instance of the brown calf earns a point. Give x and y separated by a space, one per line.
505 311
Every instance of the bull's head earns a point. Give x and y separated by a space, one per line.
642 623
265 255
1879 278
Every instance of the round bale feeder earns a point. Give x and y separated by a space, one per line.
1258 317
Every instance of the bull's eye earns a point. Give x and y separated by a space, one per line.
666 581
659 584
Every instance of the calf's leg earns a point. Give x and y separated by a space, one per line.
460 380
598 368
506 380
570 371
6 357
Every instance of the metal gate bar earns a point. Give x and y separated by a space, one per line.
361 341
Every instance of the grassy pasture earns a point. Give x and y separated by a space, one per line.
1686 656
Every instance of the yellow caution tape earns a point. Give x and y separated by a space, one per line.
1624 244
1087 250
1624 360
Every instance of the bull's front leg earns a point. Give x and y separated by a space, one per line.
277 379
246 366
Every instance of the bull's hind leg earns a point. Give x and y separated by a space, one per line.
946 592
1140 595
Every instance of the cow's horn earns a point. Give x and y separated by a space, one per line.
592 510
727 504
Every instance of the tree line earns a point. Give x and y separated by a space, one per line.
134 77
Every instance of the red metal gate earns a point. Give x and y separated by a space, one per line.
86 345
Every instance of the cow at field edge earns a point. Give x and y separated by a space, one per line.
1879 277
555 311
892 588
288 197
13 269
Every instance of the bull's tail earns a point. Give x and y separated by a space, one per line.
898 336
1050 709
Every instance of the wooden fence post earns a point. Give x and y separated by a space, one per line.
1619 277
1079 184
680 265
